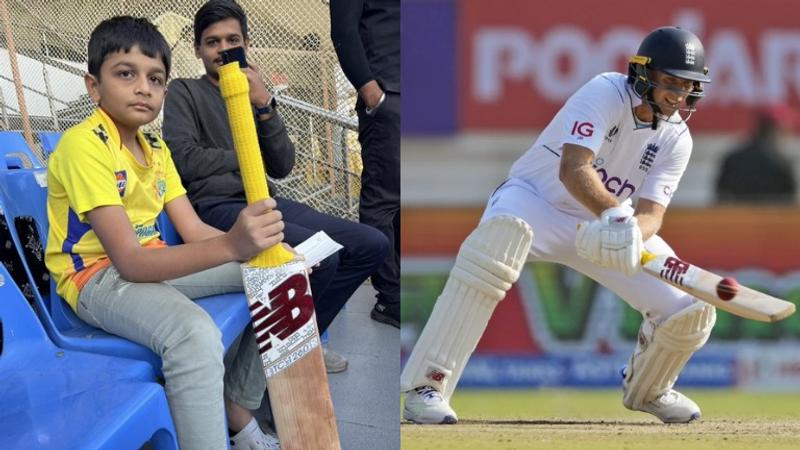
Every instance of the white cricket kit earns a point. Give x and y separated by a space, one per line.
632 159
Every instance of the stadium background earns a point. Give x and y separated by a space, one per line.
482 78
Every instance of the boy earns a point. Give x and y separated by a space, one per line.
108 181
618 135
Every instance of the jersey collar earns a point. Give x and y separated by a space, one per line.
114 141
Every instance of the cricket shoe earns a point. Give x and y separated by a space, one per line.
671 407
334 362
425 405
252 438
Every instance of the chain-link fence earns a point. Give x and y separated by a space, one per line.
290 42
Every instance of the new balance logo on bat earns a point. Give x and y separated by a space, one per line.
674 269
290 308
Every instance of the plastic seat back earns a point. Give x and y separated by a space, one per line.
23 197
168 232
15 152
23 193
49 140
21 331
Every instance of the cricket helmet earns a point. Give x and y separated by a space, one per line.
674 51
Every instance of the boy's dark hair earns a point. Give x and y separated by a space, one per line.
215 11
123 33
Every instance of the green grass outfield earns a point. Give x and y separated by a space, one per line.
596 420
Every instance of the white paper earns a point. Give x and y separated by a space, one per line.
317 247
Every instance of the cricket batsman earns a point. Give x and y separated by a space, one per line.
568 200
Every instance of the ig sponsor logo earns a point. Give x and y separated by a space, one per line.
585 129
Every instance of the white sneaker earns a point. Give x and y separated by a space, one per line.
425 405
672 407
334 362
252 438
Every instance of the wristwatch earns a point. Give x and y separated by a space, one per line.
371 111
268 108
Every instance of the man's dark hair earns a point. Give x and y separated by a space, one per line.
215 11
123 33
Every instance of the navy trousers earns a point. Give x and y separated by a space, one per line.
379 206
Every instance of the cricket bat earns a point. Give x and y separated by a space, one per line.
724 293
279 295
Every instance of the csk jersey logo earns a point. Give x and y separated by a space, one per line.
101 133
122 181
152 139
161 187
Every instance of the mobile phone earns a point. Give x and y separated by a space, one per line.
234 54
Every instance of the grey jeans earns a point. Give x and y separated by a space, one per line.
163 317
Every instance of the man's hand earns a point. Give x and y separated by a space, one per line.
613 241
371 93
259 95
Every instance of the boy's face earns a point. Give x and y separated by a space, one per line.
219 36
131 87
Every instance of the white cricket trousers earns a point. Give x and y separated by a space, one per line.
554 241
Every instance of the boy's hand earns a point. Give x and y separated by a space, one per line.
299 257
259 226
259 95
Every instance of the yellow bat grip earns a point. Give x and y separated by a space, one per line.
236 92
647 257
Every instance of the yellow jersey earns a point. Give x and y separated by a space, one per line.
91 168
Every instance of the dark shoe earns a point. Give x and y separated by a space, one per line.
389 315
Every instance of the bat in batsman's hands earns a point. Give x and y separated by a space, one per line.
613 241
258 227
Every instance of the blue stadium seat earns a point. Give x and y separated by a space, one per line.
168 232
23 193
52 398
15 152
49 140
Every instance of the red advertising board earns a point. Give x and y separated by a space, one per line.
520 59
721 238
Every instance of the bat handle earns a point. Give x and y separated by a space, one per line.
235 90
272 257
647 257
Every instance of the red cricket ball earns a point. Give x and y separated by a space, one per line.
727 288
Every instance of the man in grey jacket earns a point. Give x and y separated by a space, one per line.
197 131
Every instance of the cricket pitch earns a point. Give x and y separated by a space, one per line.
596 420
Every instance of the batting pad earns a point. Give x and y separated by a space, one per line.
487 264
654 368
